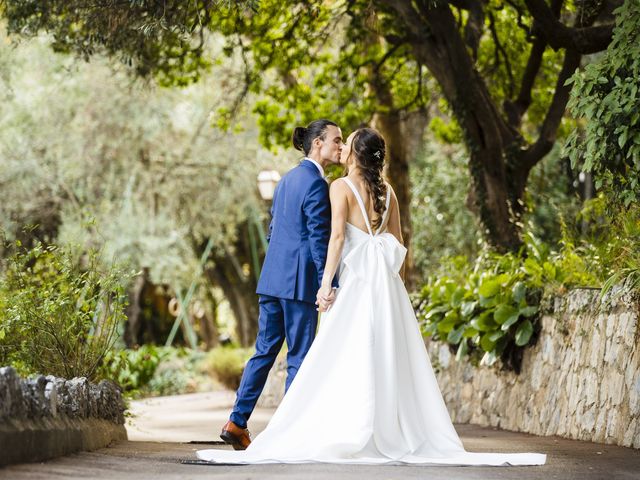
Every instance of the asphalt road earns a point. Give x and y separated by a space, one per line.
160 429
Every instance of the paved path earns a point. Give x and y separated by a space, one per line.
173 420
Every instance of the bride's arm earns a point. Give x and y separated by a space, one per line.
393 226
339 213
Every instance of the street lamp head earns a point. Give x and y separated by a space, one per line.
267 181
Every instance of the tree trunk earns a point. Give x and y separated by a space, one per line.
233 274
398 134
499 159
241 296
399 129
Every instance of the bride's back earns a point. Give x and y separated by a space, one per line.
355 216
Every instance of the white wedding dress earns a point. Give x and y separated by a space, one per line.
366 392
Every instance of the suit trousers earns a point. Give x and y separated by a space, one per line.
279 319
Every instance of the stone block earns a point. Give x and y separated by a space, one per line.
34 402
11 401
51 395
588 420
79 397
634 395
444 355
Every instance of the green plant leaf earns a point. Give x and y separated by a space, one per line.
469 332
436 311
486 343
504 312
529 311
497 335
483 322
463 348
456 298
455 335
523 333
510 321
489 358
519 291
491 286
467 308
448 322
430 329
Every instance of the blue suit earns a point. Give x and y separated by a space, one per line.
290 278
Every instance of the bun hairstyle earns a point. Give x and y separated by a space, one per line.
303 137
368 146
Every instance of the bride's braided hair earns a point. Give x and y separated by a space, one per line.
369 149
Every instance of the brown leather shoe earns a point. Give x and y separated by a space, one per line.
238 438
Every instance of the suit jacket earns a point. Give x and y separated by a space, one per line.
298 236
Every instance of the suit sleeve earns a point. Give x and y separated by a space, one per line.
317 210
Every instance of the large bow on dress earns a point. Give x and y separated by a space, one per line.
382 249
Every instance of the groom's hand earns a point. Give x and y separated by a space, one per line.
325 298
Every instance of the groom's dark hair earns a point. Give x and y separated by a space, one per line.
304 137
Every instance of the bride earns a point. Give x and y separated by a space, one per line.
366 392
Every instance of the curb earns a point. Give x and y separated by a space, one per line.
37 440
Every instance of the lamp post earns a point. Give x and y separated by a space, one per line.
267 181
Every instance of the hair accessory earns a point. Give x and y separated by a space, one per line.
377 154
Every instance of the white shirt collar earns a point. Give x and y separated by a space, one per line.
318 166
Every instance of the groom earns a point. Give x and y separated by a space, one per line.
292 271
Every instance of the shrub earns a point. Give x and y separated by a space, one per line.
489 309
60 310
227 364
605 97
180 371
133 369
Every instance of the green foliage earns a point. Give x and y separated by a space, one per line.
227 364
502 58
552 198
440 227
133 369
150 370
614 239
322 59
605 96
489 309
163 39
180 371
60 310
138 170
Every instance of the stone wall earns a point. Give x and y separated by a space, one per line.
580 380
45 417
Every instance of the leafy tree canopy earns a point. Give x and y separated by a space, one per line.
93 158
501 67
605 97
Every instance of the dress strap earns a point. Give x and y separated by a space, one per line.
386 210
360 203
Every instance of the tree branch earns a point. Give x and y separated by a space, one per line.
500 48
583 40
474 27
515 110
549 129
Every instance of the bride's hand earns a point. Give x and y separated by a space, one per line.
325 298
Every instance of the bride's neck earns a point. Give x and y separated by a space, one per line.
355 171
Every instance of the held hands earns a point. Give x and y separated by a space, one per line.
325 298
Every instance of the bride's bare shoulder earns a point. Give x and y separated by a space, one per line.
339 186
